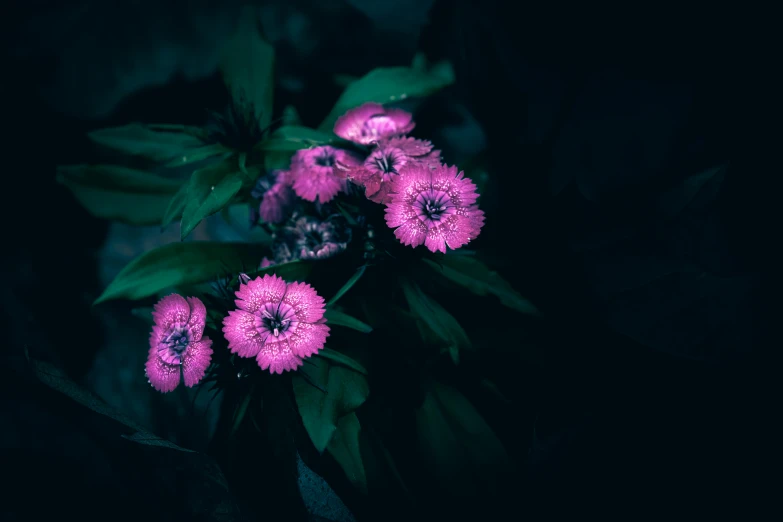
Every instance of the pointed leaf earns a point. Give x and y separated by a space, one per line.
462 451
479 279
344 447
198 154
209 190
120 194
179 264
335 317
295 137
176 206
348 285
340 358
155 143
674 201
437 318
248 66
345 391
388 84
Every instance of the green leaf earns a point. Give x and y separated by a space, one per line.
118 193
479 279
436 318
295 137
335 317
178 264
248 67
674 201
459 447
176 206
290 116
151 440
209 190
345 391
156 143
340 358
345 449
198 154
348 285
144 313
388 84
238 218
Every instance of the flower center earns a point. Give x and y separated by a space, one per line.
433 205
325 160
276 319
174 344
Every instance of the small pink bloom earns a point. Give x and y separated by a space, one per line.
314 174
178 348
385 162
265 262
434 206
372 122
276 322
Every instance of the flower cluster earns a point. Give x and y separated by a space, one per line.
277 323
426 201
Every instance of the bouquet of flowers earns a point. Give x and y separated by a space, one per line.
354 300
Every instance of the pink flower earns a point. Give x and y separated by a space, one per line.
277 200
385 162
372 122
265 262
434 206
177 342
313 172
276 322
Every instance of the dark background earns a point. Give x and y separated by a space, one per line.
650 383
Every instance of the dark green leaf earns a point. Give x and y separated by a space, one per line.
340 358
437 318
178 264
346 390
344 447
348 285
151 440
209 190
335 317
198 154
460 448
238 218
144 313
161 145
677 199
389 84
291 116
176 206
479 279
118 193
248 66
296 137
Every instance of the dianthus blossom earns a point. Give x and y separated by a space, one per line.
276 322
373 122
178 348
310 238
385 163
434 206
313 173
276 195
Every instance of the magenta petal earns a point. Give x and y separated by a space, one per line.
410 146
260 291
196 360
265 262
276 203
240 331
277 357
162 376
170 310
372 122
308 339
307 304
198 318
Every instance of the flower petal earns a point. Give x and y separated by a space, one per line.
198 318
307 339
307 304
260 291
195 361
170 310
162 376
277 357
241 333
